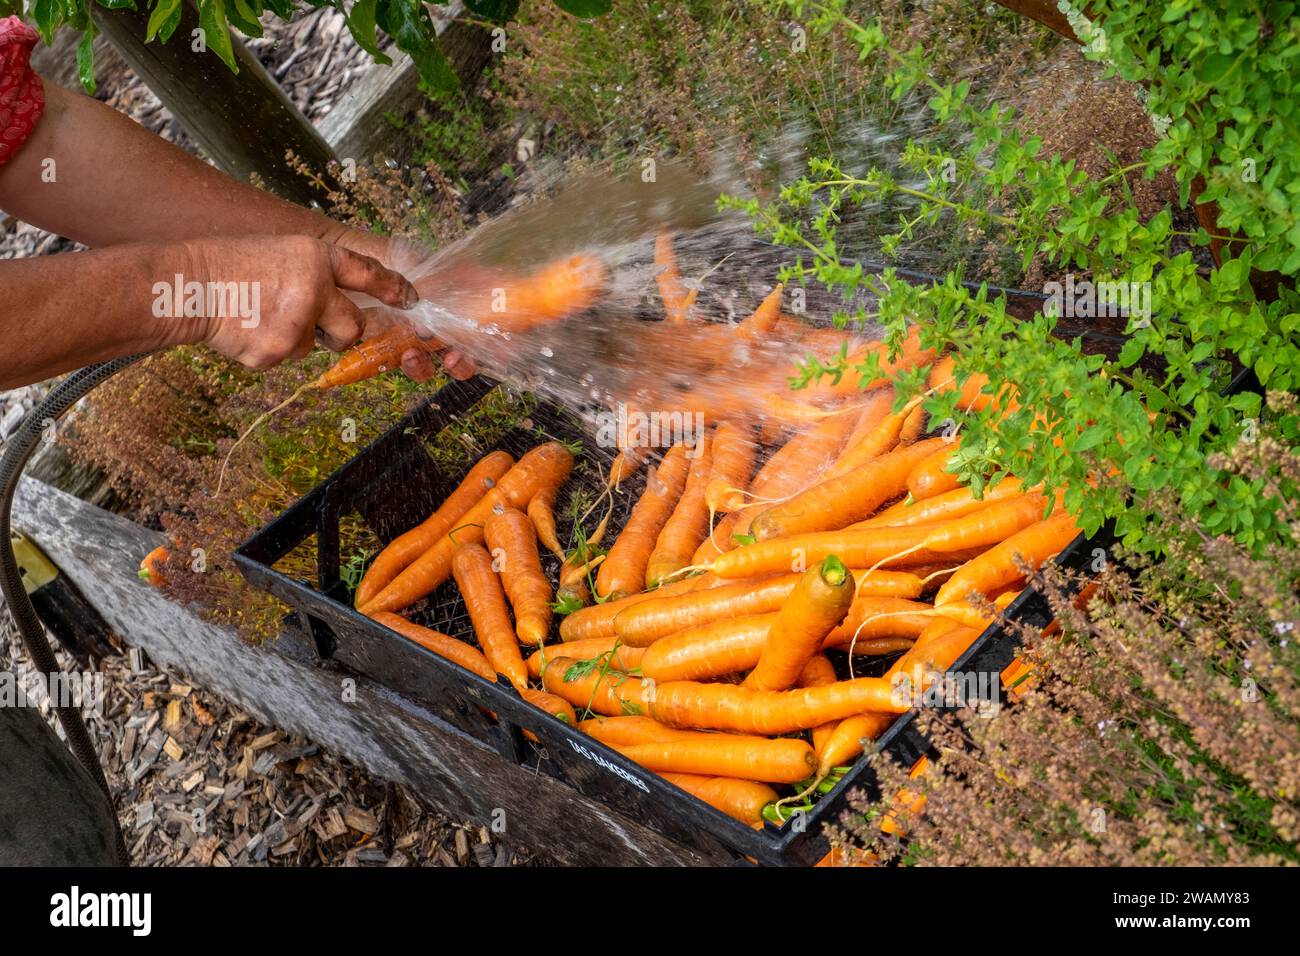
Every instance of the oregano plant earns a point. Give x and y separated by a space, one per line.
407 22
1219 81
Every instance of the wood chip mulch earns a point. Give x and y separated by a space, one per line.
199 782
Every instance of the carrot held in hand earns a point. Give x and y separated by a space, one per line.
625 566
405 548
512 543
486 603
815 607
441 644
544 466
688 525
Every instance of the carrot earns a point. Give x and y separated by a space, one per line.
783 760
815 607
591 687
910 356
647 621
931 477
688 525
748 711
633 730
862 548
721 538
598 620
986 527
742 799
458 652
943 378
996 567
875 433
405 548
541 512
758 325
669 279
799 462
513 544
622 657
486 603
842 500
874 618
913 425
819 672
732 465
554 291
545 466
845 742
624 570
942 507
557 707
937 653
151 565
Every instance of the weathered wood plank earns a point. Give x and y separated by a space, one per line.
358 128
243 120
389 735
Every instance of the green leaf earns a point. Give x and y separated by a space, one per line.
86 60
46 15
216 31
160 15
408 23
169 27
498 11
585 8
244 18
361 24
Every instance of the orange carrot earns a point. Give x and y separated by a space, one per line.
732 465
486 603
846 741
875 433
937 653
591 687
541 512
842 500
931 476
621 658
748 711
688 525
997 567
405 548
942 507
647 621
377 354
513 544
443 645
911 356
864 548
913 425
873 618
742 799
557 707
633 730
758 325
151 565
815 607
819 672
545 466
783 760
799 462
598 620
625 566
722 537
554 291
671 291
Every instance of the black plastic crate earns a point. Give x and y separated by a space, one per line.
494 714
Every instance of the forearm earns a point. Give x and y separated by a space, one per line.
66 311
93 175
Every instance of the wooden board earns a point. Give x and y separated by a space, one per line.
389 735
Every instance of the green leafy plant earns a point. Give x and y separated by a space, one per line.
1111 430
408 22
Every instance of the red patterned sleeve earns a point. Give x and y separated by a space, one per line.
22 98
